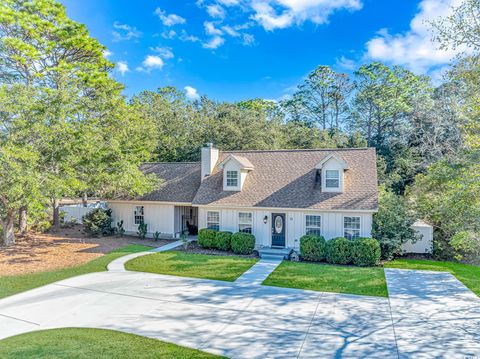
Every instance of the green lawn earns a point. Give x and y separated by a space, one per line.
467 274
227 268
330 278
73 343
10 285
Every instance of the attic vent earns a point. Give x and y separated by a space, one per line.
318 179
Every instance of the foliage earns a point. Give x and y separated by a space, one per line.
467 246
312 248
339 251
142 230
156 235
365 252
243 243
392 224
99 222
185 240
206 238
223 241
120 229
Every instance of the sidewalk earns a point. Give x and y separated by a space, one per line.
258 273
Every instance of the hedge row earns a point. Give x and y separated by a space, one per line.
239 243
362 252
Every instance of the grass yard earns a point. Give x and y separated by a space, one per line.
10 285
75 343
465 273
227 268
330 278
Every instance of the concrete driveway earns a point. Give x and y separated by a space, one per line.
239 321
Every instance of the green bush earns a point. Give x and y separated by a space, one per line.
365 252
339 251
312 248
223 241
142 230
98 222
243 243
206 238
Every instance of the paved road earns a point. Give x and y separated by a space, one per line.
258 321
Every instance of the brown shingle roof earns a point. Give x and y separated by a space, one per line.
181 181
286 179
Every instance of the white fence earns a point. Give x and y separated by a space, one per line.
74 213
425 243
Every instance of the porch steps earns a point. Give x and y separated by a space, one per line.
274 253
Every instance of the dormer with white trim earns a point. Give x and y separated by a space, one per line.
235 171
332 173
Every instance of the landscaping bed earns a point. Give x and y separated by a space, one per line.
179 263
73 343
329 278
66 247
10 285
195 248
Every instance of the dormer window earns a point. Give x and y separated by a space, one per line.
332 178
232 178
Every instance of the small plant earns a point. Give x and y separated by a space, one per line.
99 222
312 248
156 235
366 252
339 251
120 228
142 230
243 243
184 239
206 238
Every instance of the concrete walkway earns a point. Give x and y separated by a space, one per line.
435 315
118 265
259 272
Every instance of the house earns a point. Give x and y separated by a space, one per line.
277 195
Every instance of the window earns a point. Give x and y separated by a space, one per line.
332 178
138 215
232 178
245 221
351 227
213 220
313 225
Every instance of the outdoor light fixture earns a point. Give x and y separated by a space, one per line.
265 219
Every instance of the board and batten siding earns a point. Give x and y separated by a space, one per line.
332 223
158 217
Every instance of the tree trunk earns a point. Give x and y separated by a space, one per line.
22 220
85 199
8 234
56 213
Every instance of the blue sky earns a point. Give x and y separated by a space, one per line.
238 49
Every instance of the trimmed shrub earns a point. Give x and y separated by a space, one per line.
206 238
223 241
339 251
142 230
243 243
98 222
312 248
366 252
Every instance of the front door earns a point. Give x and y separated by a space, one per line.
278 229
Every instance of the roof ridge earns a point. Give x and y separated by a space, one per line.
304 150
173 163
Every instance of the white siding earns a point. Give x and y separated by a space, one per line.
332 223
332 164
158 217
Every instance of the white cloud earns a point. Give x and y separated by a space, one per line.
191 93
122 67
125 32
184 36
279 14
414 49
230 31
216 10
169 34
151 62
346 63
248 39
107 53
169 19
229 2
214 42
163 52
210 29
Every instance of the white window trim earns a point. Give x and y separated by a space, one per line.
360 229
135 215
238 179
305 222
338 178
238 220
219 218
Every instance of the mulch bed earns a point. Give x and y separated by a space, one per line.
66 247
195 248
